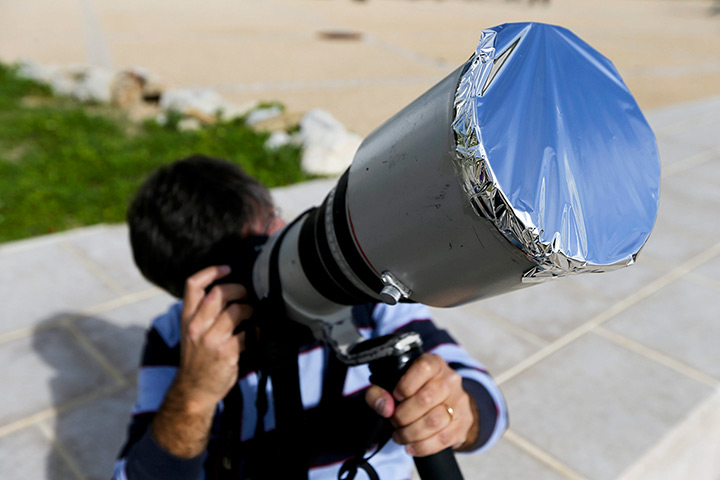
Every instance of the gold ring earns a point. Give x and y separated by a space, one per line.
450 411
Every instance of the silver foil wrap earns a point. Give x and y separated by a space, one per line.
553 149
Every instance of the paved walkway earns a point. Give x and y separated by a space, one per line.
668 51
607 376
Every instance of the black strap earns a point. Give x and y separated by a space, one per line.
333 382
350 467
226 464
381 431
280 340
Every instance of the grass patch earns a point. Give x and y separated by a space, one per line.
64 164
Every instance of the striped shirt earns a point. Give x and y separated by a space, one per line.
141 458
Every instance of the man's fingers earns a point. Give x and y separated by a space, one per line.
380 400
420 372
215 302
447 437
228 320
432 394
438 429
425 427
196 284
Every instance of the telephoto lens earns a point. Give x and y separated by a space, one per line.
530 161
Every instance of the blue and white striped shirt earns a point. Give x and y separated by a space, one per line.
142 459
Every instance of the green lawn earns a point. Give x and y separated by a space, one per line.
64 164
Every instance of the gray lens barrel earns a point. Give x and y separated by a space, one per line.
410 219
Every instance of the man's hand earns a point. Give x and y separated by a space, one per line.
209 351
421 417
209 354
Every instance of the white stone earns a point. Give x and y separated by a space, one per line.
189 125
262 114
94 85
34 71
61 84
278 139
87 84
328 148
202 100
161 119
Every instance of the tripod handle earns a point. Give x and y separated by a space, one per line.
386 373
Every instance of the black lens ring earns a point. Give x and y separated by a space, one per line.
315 268
345 238
329 261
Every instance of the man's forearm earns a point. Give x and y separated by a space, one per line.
175 447
182 425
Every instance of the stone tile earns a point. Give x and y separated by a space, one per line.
700 131
698 186
120 334
597 407
681 321
27 454
43 370
683 228
94 433
548 310
711 269
353 60
141 313
108 246
618 284
691 450
491 344
41 279
674 119
505 461
675 150
554 308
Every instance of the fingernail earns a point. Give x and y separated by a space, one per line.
380 406
224 269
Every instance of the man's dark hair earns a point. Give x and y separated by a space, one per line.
189 214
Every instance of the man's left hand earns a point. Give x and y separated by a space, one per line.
433 411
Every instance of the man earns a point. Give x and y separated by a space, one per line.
188 222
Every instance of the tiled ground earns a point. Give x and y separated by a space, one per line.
600 371
667 50
608 376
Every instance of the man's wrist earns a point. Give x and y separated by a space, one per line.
189 400
182 425
472 434
485 415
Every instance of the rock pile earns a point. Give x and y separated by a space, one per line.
328 148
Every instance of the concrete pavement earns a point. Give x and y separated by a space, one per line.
668 51
611 376
607 376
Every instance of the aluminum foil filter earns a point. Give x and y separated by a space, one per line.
553 149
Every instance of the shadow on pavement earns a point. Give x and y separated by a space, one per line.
94 400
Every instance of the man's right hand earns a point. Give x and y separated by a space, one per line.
209 354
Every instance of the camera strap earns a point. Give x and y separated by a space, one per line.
378 429
272 352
